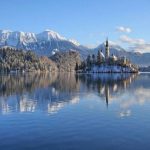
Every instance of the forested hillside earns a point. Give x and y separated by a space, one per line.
19 60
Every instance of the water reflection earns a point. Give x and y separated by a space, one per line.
124 90
108 85
30 92
51 92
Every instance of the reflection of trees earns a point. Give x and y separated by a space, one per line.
47 91
66 82
107 85
19 83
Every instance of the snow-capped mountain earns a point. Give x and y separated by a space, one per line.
44 43
14 38
48 35
49 42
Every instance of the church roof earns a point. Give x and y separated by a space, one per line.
102 55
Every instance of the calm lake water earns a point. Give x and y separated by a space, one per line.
75 112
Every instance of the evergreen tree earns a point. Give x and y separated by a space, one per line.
77 67
88 60
99 58
93 59
83 65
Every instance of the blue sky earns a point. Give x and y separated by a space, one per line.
125 22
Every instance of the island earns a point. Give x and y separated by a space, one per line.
106 63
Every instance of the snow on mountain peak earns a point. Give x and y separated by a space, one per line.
47 35
74 42
5 31
13 38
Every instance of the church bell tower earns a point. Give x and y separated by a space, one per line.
107 50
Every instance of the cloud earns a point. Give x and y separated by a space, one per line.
143 48
133 44
128 40
136 45
126 113
123 29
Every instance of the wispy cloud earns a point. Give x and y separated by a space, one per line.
123 29
143 48
137 45
129 40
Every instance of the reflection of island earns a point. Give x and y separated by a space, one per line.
118 88
108 85
124 90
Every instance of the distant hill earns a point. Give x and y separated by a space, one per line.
66 61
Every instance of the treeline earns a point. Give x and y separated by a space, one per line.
144 69
19 60
91 60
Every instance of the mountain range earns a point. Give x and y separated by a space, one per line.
49 42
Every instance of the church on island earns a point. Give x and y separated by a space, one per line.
106 63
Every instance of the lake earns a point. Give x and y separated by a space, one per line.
74 112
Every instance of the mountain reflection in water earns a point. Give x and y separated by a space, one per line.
50 92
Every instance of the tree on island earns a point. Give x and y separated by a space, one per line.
93 59
99 58
77 66
89 61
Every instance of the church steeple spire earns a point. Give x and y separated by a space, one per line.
107 41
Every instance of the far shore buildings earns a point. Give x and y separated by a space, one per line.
106 63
